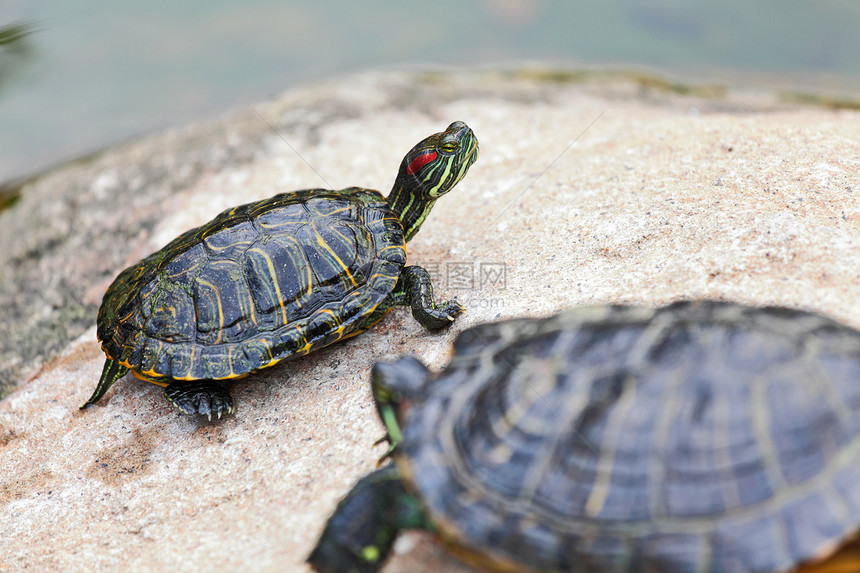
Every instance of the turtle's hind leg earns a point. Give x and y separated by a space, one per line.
205 397
111 372
360 533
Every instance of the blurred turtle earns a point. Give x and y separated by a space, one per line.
701 437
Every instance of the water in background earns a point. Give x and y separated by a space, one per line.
89 72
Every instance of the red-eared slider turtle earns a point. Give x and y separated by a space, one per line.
275 279
700 437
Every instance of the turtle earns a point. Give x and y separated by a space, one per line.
702 436
277 279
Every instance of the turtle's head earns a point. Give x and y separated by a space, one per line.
435 165
430 170
394 386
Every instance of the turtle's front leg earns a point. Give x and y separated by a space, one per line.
415 289
205 397
360 533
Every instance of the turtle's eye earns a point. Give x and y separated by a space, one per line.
449 146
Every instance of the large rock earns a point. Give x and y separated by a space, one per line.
585 192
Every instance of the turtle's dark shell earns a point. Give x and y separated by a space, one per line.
259 283
699 437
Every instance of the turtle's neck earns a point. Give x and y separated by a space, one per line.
409 207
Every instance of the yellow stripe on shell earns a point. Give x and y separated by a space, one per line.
220 309
325 245
152 372
360 330
274 283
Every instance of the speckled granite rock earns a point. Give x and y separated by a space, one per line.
585 192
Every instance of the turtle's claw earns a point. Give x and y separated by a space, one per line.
388 451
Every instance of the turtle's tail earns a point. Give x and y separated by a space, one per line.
112 372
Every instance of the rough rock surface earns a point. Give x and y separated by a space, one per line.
585 192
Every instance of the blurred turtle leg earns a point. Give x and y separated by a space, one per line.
363 527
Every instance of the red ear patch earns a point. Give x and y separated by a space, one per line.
420 162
